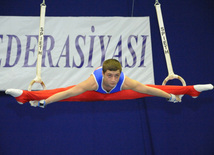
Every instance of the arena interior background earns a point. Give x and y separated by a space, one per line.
132 127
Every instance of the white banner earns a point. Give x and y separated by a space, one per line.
73 48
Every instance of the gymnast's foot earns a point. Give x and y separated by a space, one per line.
202 87
17 93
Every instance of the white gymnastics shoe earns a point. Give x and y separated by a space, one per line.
203 87
15 93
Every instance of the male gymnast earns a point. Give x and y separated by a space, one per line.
106 83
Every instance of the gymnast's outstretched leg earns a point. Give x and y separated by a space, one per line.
194 91
23 96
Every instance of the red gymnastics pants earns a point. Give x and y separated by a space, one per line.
96 96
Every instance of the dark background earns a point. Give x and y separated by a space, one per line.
133 127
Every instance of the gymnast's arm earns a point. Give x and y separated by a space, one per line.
87 85
141 88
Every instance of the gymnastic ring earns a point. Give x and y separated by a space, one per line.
174 76
35 81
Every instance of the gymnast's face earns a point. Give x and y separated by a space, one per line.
110 78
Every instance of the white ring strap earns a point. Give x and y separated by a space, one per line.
171 74
38 78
